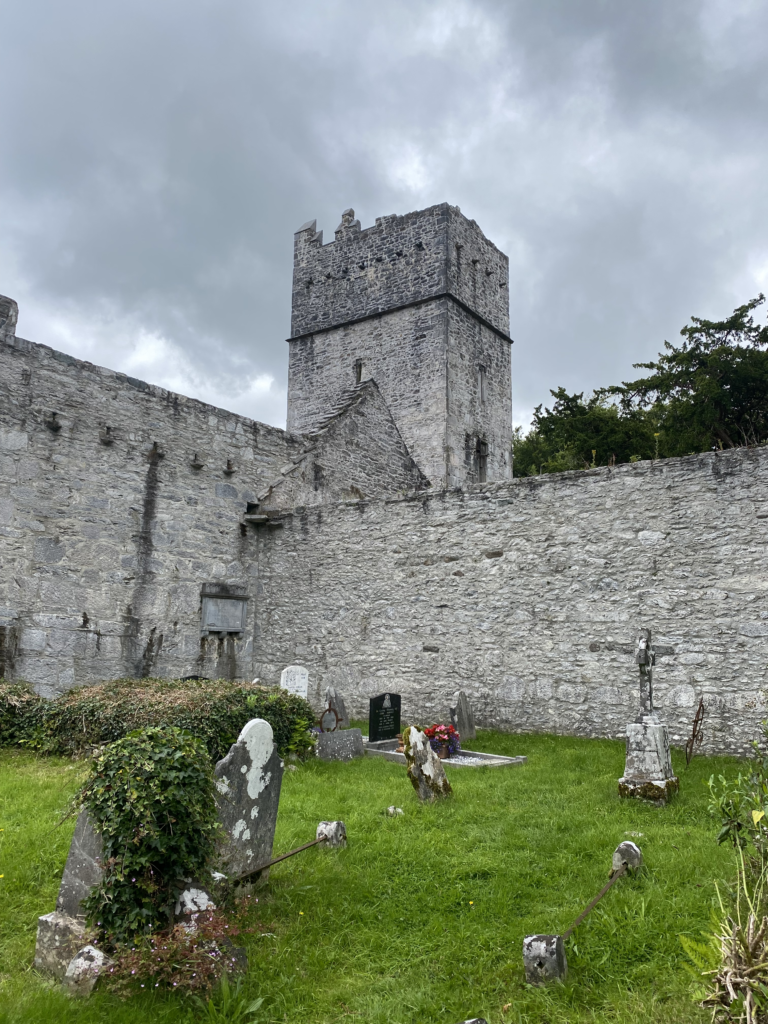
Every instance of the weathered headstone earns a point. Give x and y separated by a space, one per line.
648 771
295 679
462 718
425 769
544 959
248 784
384 717
341 745
83 869
334 700
62 933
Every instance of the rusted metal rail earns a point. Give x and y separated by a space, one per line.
590 906
276 860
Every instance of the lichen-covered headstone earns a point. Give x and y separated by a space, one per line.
334 700
295 679
425 769
462 718
248 784
63 932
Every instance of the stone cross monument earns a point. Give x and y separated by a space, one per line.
648 770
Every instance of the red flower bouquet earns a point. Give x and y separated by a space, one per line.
442 737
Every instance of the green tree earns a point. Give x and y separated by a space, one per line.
710 391
578 434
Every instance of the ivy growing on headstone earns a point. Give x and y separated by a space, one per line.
151 797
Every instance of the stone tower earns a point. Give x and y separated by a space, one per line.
419 303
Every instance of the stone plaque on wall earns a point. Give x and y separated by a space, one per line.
295 679
223 615
384 717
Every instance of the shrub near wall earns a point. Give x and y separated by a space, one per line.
20 711
213 710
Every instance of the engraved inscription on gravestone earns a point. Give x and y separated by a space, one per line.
384 717
295 679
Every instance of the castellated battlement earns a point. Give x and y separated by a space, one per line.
420 305
399 262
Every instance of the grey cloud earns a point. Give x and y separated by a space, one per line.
158 158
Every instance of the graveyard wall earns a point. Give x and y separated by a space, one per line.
529 594
106 539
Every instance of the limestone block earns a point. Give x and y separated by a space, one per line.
648 750
462 718
648 772
83 868
58 939
425 770
340 745
335 833
84 970
334 699
544 959
248 784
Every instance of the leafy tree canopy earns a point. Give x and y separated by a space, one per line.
710 391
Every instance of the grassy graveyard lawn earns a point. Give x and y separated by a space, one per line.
422 918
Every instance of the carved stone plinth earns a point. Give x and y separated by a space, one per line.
648 771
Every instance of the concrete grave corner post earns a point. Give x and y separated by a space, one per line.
248 784
425 770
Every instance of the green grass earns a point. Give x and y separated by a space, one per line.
422 918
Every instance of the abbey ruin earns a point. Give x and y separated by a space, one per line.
380 540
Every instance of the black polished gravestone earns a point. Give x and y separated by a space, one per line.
384 717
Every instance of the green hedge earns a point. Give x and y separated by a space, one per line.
20 713
213 710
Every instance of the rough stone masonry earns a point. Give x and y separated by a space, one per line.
379 541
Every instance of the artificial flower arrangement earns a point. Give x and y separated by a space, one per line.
443 736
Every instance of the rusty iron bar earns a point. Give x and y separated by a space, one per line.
590 906
276 860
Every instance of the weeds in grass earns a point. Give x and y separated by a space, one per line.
229 1006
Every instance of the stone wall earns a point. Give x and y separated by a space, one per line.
529 596
118 502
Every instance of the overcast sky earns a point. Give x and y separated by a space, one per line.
156 158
